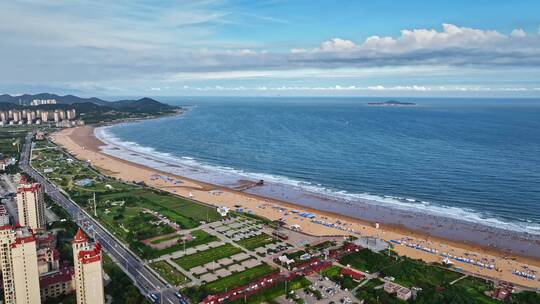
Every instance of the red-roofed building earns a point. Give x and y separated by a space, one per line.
351 273
88 276
18 263
57 283
80 237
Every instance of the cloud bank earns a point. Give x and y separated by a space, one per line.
453 45
116 47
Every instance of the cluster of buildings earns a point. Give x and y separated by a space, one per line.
62 118
38 102
30 262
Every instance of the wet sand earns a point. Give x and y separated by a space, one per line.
460 239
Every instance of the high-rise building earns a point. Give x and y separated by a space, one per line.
29 118
44 116
37 102
16 116
4 215
31 205
88 272
70 114
56 116
18 263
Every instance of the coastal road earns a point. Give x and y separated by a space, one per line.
145 280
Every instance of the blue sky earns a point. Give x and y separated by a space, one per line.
305 48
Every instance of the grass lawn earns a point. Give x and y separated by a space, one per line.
185 213
413 273
199 237
128 222
474 288
213 254
435 284
267 295
239 278
526 297
257 241
169 273
331 272
367 260
372 296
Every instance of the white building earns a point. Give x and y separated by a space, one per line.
18 263
37 102
31 205
4 216
88 271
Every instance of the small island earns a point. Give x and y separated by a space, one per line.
391 103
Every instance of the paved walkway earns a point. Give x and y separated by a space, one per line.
458 279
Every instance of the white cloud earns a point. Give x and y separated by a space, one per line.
337 45
376 88
451 36
518 33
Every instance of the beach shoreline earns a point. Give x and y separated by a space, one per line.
83 144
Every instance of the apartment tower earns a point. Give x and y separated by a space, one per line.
88 272
18 263
31 205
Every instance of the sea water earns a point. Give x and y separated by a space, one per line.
476 160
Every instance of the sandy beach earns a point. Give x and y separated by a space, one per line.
487 262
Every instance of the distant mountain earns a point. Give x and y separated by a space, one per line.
140 105
67 99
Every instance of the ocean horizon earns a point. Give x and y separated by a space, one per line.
474 160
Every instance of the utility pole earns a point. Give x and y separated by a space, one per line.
93 202
95 205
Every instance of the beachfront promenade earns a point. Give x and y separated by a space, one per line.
146 281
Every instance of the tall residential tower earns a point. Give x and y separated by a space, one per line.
31 205
88 272
18 263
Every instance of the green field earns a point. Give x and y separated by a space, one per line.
199 237
239 278
414 273
11 139
269 295
185 213
213 254
257 241
331 272
367 260
121 206
169 273
433 279
132 223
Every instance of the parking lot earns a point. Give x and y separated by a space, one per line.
329 293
